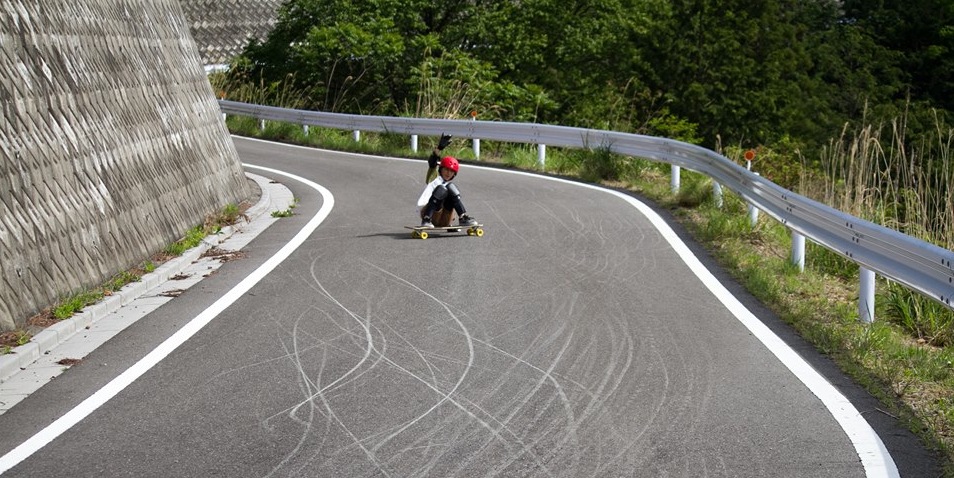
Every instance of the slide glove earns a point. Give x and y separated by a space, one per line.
445 140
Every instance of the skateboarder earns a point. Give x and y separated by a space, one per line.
441 198
436 158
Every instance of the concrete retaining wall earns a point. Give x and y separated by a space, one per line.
222 28
111 144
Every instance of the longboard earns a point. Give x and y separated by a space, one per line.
422 232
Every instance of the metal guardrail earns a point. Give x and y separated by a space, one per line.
917 264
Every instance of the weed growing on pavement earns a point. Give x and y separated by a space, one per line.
287 212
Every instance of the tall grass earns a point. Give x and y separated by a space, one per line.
236 86
884 174
881 174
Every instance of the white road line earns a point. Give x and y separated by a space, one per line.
874 456
118 384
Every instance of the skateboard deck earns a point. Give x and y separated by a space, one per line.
422 232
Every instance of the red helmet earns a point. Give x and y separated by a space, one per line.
451 163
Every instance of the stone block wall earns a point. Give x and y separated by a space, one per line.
222 28
111 144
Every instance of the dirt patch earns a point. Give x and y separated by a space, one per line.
69 361
42 320
10 339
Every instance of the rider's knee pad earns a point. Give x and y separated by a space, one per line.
452 189
440 192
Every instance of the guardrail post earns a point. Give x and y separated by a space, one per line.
414 143
717 193
866 296
753 215
798 250
357 135
473 117
674 178
541 155
304 128
753 211
261 124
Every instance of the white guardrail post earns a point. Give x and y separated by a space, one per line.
541 156
798 251
414 143
753 210
916 264
866 296
674 177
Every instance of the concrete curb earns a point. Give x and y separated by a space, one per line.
41 343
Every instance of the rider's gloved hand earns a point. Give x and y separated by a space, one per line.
445 140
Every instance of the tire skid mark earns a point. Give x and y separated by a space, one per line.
307 387
545 376
312 389
564 401
445 396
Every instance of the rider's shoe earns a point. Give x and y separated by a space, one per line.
467 221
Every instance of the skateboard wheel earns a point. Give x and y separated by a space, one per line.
479 232
470 232
423 235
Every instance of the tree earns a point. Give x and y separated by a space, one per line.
921 34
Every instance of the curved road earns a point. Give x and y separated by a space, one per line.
571 340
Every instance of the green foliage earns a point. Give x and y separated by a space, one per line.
22 338
780 75
119 281
192 238
694 190
601 164
825 261
75 303
286 212
524 157
922 317
777 163
227 216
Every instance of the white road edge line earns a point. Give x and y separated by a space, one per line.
874 456
123 380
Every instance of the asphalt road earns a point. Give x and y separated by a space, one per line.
570 340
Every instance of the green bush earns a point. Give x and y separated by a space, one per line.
826 261
922 317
